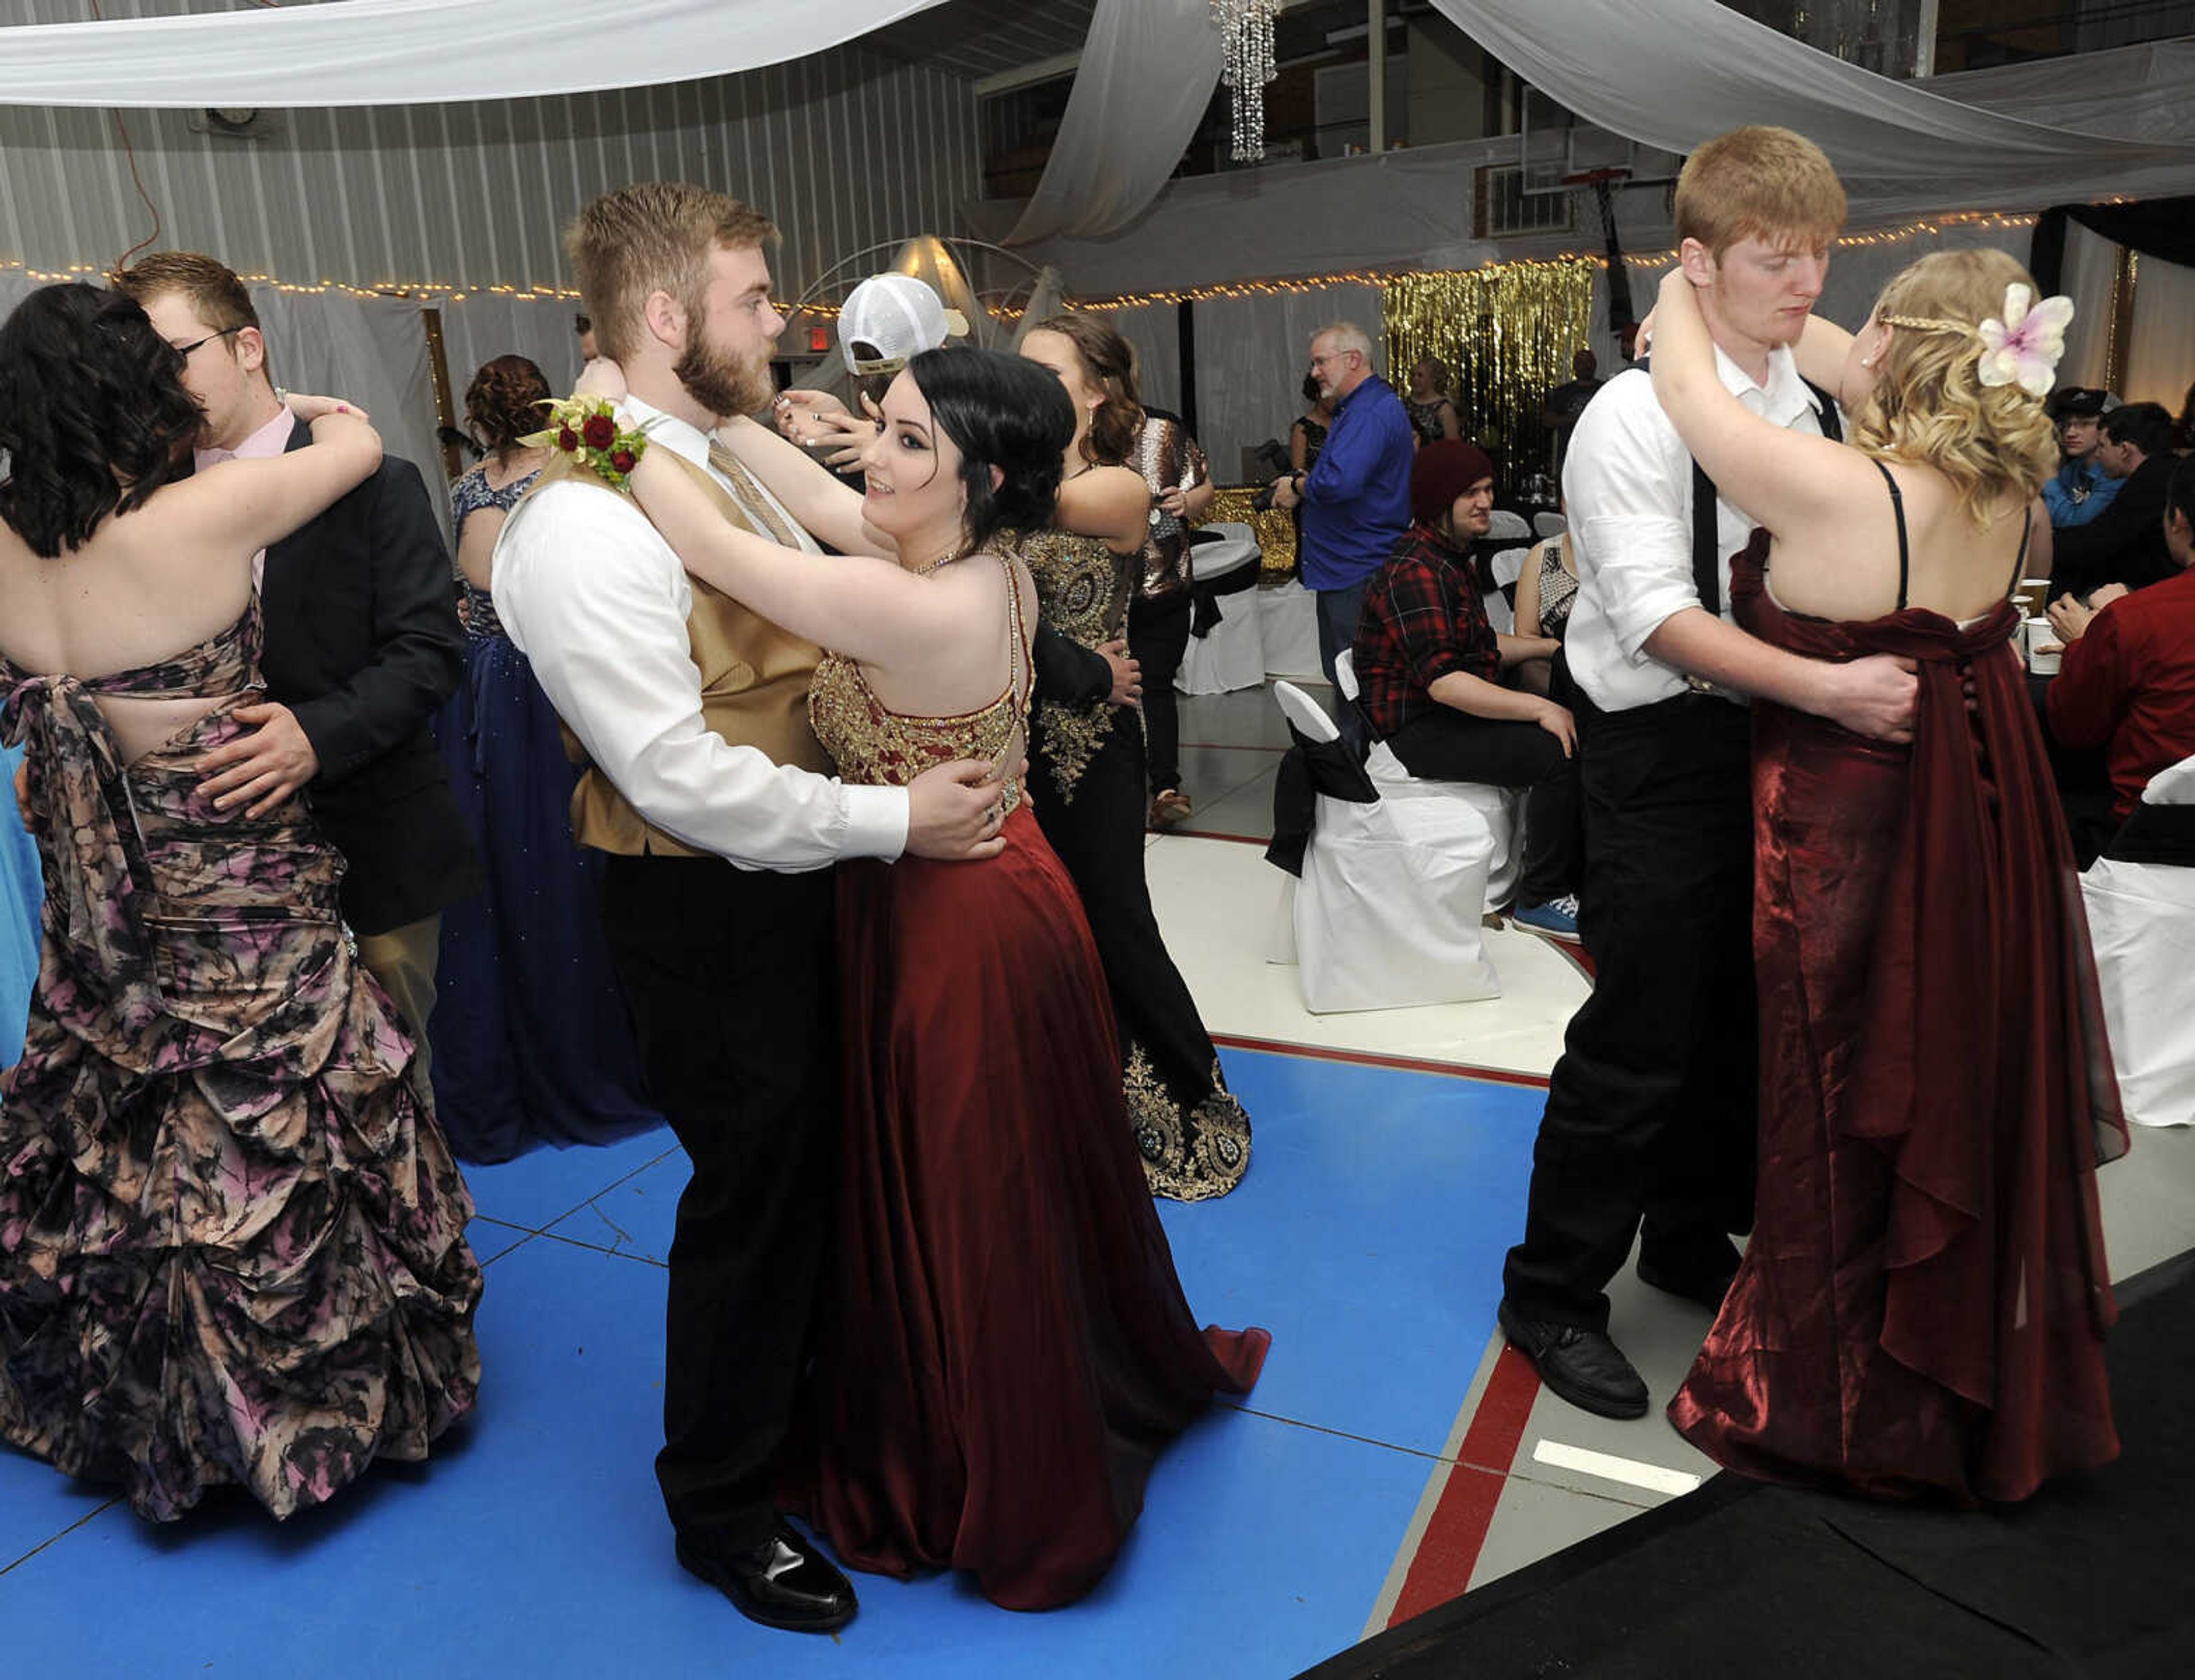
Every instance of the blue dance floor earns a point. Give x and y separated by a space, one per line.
1368 1238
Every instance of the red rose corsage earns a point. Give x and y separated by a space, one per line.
586 428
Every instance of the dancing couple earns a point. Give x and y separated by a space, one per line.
1921 1308
897 1077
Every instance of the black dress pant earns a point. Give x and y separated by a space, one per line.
731 977
1158 636
1651 1113
1448 745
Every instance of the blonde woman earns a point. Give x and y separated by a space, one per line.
1922 1306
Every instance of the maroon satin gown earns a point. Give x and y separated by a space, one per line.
1004 1346
1924 1298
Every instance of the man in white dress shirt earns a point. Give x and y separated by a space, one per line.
709 791
1649 1126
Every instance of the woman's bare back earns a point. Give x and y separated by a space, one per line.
1847 569
148 586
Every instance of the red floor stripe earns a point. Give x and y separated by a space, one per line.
1214 834
1449 1551
1410 1064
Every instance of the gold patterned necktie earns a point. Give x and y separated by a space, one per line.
762 515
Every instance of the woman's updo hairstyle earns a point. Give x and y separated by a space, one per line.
1995 443
502 402
1107 366
94 417
1004 411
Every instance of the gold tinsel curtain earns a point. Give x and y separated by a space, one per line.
1507 334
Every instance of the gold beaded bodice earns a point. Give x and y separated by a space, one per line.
1082 587
878 747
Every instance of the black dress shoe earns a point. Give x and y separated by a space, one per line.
1582 1367
785 1582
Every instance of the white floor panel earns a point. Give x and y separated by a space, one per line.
1215 900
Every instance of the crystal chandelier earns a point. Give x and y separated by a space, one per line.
1246 36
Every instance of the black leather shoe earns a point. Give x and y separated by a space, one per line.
1704 1279
1582 1367
786 1582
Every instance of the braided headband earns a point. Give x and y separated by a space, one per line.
2022 346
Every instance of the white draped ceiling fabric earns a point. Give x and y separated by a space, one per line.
1679 71
1147 73
419 52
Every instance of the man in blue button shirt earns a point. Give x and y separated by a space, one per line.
1356 500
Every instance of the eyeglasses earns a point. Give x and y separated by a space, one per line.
184 350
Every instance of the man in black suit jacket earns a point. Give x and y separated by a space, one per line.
362 645
2125 543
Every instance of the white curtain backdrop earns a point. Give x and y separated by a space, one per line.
483 325
1679 71
1147 73
1252 353
419 52
1154 332
2090 272
2161 348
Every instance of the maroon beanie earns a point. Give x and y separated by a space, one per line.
1441 472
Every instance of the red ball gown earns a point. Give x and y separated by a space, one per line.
1004 1346
1923 1302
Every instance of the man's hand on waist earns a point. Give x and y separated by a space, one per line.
956 812
265 766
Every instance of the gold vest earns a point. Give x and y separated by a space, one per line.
754 689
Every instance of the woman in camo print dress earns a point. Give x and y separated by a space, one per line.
232 1243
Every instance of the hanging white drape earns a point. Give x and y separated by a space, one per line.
1677 72
419 52
1147 70
2088 277
2161 345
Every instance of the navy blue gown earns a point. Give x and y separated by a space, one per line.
22 893
533 1041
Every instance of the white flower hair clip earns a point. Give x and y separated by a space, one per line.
2023 348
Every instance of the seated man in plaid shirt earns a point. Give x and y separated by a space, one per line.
1428 676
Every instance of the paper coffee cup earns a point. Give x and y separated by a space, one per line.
2044 650
2035 592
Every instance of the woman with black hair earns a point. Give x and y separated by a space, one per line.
232 1241
533 1036
1004 1346
1087 742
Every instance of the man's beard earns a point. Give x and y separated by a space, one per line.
721 382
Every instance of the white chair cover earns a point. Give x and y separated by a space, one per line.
1231 654
1504 527
1498 807
1387 911
1549 524
2142 920
1288 628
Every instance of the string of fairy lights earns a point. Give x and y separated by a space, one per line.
456 292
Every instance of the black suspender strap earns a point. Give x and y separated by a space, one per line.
1706 542
1706 558
1832 428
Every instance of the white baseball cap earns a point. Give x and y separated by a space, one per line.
897 316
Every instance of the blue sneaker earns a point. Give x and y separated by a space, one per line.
1555 919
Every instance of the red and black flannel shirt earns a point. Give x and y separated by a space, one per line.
1421 620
